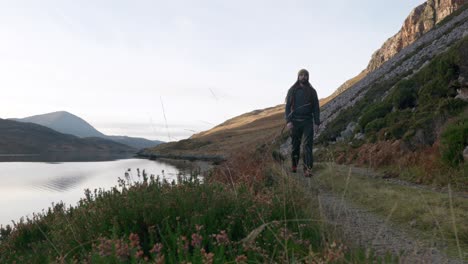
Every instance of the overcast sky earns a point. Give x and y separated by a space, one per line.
118 64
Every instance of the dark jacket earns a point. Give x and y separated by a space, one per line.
302 103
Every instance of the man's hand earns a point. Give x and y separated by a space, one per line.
316 128
290 126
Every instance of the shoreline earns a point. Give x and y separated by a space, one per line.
203 163
189 157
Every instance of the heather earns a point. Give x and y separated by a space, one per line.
254 215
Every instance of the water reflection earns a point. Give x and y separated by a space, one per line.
60 184
64 157
28 187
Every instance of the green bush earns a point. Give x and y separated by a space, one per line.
397 130
405 94
451 106
454 139
375 125
374 112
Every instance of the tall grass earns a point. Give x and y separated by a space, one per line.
152 220
437 217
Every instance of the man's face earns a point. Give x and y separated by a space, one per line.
303 77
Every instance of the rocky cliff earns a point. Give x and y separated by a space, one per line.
401 65
420 21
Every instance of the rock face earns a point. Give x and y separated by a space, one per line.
405 63
422 19
446 7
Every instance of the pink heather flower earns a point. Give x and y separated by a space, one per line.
122 250
134 240
207 257
196 240
160 260
184 242
139 254
222 238
241 259
157 248
105 247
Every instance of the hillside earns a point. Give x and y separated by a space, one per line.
244 131
29 138
67 123
399 103
420 21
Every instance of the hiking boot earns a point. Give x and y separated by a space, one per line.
294 169
308 173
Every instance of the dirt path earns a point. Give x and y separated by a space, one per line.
372 174
362 228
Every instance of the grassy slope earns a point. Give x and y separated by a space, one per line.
245 131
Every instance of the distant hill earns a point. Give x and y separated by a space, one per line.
138 143
67 123
28 138
243 132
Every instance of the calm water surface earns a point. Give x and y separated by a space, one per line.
29 187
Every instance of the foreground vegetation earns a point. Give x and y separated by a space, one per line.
248 215
440 216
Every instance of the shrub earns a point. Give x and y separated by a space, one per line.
451 106
374 112
454 139
375 125
405 94
158 221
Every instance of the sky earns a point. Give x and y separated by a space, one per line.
167 69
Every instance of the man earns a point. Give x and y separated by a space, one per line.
303 119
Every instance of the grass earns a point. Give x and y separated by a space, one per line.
234 135
434 214
242 212
247 210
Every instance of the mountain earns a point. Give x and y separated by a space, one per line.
28 138
420 21
65 123
135 142
68 123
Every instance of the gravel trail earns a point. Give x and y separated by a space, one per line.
358 226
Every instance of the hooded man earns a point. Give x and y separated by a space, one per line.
302 119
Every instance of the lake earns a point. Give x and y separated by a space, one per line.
29 187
